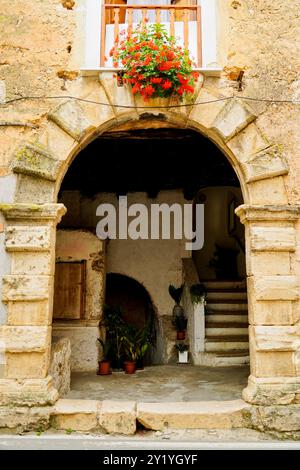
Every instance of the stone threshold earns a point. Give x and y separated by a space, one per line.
122 417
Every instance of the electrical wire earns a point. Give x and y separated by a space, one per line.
115 105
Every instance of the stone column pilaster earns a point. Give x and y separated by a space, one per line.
273 298
28 293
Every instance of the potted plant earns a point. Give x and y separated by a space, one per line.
183 354
104 363
115 328
176 294
154 64
180 325
131 353
198 293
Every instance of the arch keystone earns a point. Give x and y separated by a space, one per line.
71 118
233 118
35 160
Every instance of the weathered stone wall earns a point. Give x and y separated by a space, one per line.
60 367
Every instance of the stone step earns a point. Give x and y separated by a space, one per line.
225 331
214 284
228 338
215 318
189 415
225 345
224 296
225 324
228 353
229 306
225 301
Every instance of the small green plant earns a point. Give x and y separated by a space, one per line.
106 349
198 293
69 431
176 293
181 347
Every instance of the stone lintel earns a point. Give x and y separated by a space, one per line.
33 212
268 213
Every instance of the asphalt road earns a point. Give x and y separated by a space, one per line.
76 442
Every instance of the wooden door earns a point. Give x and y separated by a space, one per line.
69 290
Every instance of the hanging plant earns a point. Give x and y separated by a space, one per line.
154 64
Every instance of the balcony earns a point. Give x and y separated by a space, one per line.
183 22
194 26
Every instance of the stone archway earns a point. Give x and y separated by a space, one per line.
31 219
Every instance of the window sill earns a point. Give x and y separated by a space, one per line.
95 71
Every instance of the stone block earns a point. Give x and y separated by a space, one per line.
84 345
98 114
268 191
50 213
27 392
24 419
205 113
121 95
189 415
32 263
71 118
27 365
29 313
274 364
25 288
59 143
118 417
265 164
34 190
28 238
234 117
250 141
76 415
60 365
269 263
277 418
272 238
276 338
36 161
272 390
26 338
271 313
274 287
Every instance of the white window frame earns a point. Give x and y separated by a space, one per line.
91 62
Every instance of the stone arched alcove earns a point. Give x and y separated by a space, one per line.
270 235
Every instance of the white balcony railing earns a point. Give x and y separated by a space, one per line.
195 27
183 22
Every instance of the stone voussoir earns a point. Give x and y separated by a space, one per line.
118 417
75 415
190 415
265 164
233 118
71 118
35 160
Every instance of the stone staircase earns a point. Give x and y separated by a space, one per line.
226 323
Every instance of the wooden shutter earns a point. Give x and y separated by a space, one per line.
69 290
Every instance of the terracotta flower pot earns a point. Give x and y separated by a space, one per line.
129 367
104 368
180 334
